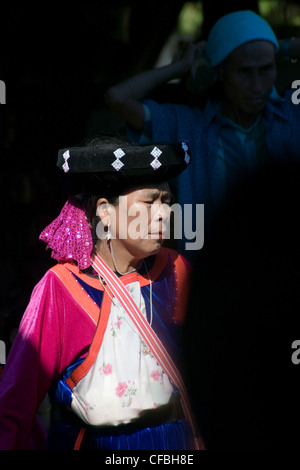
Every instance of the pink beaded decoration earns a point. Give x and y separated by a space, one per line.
69 235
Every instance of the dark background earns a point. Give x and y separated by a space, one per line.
57 60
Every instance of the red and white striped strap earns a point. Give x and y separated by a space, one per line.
153 342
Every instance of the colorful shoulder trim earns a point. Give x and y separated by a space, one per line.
65 272
182 271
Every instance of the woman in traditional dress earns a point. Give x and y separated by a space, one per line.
101 331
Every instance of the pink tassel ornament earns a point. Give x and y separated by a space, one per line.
69 235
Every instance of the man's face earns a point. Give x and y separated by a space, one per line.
248 75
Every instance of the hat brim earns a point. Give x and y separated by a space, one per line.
126 165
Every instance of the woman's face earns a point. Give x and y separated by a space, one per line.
141 220
248 75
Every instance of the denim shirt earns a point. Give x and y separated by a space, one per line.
202 128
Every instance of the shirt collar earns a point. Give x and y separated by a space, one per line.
275 105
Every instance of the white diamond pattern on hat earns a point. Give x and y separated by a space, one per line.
66 157
187 158
119 153
66 167
156 153
117 164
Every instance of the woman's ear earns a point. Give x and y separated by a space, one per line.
103 211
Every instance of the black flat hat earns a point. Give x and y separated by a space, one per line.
114 161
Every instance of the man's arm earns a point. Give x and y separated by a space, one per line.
126 97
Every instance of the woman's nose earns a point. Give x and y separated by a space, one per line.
161 211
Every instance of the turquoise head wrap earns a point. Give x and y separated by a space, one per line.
235 29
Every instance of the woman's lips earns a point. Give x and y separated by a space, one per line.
155 235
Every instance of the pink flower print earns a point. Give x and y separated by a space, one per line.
121 389
106 369
118 323
156 405
85 404
155 375
116 326
130 290
130 392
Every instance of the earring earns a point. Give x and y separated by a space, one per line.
108 234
